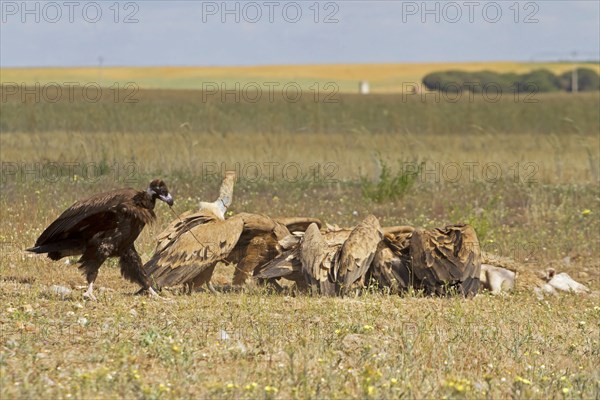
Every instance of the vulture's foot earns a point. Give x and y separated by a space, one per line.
88 294
152 293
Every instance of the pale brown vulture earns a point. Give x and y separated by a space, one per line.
102 226
331 262
188 255
258 244
318 256
207 213
447 259
287 265
191 246
262 240
356 254
390 270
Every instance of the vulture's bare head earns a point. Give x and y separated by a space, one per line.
158 190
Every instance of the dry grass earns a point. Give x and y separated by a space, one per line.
256 345
483 156
292 346
384 78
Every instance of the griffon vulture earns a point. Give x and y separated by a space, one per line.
390 269
207 213
189 249
356 254
219 207
102 226
395 258
190 256
312 263
318 255
444 259
258 244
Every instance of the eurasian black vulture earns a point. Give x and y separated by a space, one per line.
102 226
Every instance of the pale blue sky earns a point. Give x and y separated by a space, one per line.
193 33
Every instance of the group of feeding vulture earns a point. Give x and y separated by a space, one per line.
320 259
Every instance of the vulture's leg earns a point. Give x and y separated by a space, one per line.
240 275
210 287
189 288
132 268
90 265
274 285
203 278
152 293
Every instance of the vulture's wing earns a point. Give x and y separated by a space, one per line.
298 224
286 265
337 238
390 270
358 251
291 240
95 214
257 222
399 242
182 224
313 251
319 253
448 257
258 244
194 251
397 230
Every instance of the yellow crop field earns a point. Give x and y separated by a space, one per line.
383 78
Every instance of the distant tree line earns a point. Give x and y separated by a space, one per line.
540 80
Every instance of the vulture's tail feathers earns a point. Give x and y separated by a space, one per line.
59 250
470 286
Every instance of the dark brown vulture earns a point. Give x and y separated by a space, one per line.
102 226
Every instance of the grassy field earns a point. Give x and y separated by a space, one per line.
526 176
191 111
383 78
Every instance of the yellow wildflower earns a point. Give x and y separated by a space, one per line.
271 389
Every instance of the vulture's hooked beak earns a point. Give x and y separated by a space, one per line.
167 199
